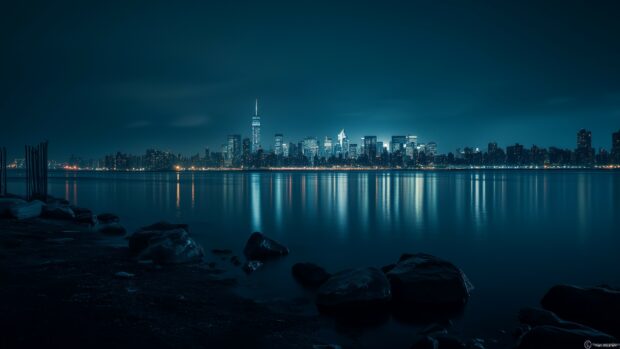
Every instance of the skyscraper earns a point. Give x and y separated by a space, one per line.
233 151
398 144
615 147
410 149
343 142
255 130
584 153
279 138
310 148
328 147
370 147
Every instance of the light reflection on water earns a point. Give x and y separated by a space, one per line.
515 233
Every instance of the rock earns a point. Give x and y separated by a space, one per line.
433 329
252 266
362 290
441 341
541 317
166 246
260 247
521 330
476 343
7 203
220 252
544 337
84 215
57 210
27 210
107 218
387 268
124 275
235 261
111 229
309 274
588 306
424 280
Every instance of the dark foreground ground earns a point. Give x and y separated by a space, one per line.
58 289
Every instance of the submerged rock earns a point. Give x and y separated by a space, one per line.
84 215
260 247
107 218
427 281
544 337
354 291
309 274
165 246
596 307
27 210
252 266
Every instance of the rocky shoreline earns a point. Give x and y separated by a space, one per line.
65 285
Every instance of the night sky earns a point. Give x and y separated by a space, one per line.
97 77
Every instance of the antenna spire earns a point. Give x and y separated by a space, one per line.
256 108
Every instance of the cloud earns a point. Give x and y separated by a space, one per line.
190 121
138 124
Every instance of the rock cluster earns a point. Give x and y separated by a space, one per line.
165 243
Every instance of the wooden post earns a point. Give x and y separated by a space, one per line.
3 173
36 171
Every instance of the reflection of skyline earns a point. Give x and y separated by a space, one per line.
353 203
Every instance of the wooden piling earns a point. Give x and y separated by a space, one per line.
36 171
3 173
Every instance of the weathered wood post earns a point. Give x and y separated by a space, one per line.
36 171
3 171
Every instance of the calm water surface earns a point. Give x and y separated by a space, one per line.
514 233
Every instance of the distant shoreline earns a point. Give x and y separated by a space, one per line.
341 169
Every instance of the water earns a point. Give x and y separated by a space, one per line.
514 233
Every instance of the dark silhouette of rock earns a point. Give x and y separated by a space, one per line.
387 268
235 261
27 210
57 210
7 202
107 218
84 215
596 307
440 341
309 274
541 317
545 337
252 266
423 280
354 291
260 247
165 246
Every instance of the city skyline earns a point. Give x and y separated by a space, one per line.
444 71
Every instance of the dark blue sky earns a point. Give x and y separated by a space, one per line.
95 77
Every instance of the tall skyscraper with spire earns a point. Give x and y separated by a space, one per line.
255 129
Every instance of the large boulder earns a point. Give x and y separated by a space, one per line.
545 337
84 215
354 291
7 202
260 247
309 274
426 281
596 307
27 210
165 246
58 210
107 218
541 317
